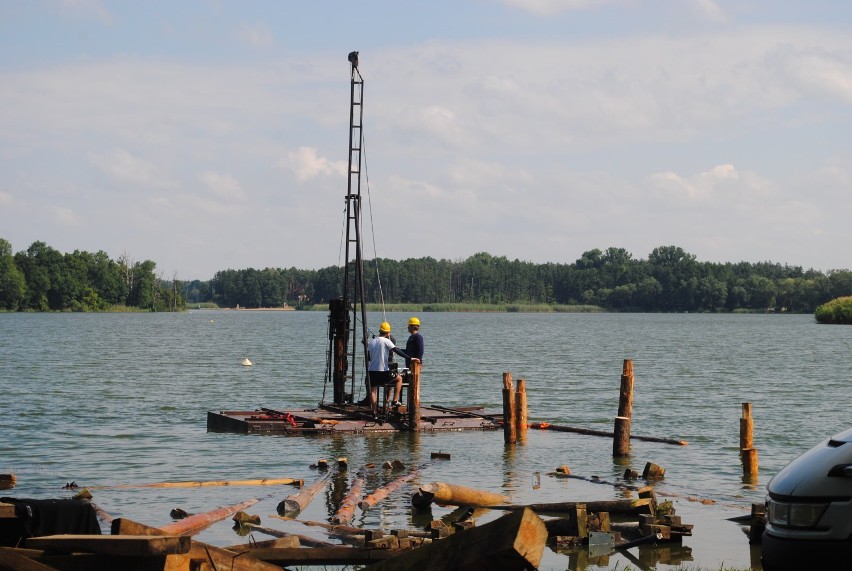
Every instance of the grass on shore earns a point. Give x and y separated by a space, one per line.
474 308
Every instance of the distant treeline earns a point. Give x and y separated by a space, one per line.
43 279
671 279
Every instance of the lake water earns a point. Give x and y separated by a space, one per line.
108 399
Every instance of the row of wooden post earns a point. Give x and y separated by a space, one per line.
514 410
515 418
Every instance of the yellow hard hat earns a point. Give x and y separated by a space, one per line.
414 321
384 327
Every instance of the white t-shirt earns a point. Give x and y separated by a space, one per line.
379 348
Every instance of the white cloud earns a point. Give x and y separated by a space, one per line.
711 10
222 186
124 167
306 164
550 7
64 216
722 182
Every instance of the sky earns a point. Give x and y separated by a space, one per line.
213 135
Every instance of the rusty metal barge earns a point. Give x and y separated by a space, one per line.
329 419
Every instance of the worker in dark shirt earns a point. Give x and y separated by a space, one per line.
414 346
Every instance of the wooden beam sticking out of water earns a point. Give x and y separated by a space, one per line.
510 429
256 482
350 502
521 410
619 507
295 503
383 492
604 433
303 539
213 556
455 495
621 432
748 453
414 397
197 522
515 541
126 545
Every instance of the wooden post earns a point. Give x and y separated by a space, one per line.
521 409
746 428
414 398
510 433
748 453
621 438
625 400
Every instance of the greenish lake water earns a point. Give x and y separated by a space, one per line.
107 399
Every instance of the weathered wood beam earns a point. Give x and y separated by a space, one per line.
303 539
295 503
197 522
350 502
199 484
20 560
514 541
590 432
215 557
620 507
125 545
381 493
455 495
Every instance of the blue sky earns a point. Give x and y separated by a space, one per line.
207 135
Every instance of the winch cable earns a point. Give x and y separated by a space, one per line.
373 228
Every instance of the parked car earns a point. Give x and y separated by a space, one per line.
809 510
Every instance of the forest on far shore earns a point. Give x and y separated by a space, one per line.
669 280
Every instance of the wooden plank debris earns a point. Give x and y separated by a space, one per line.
195 523
604 433
456 495
7 481
294 503
303 539
7 510
213 557
515 541
381 493
620 507
350 502
201 484
20 560
124 545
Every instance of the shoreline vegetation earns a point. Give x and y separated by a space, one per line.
669 280
836 312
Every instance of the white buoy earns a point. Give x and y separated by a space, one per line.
246 362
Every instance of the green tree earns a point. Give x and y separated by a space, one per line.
13 286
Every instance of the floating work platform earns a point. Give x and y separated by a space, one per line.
349 418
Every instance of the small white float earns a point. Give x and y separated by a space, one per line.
246 363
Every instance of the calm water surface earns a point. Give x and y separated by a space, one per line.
107 399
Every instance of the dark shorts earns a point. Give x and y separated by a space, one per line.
381 378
